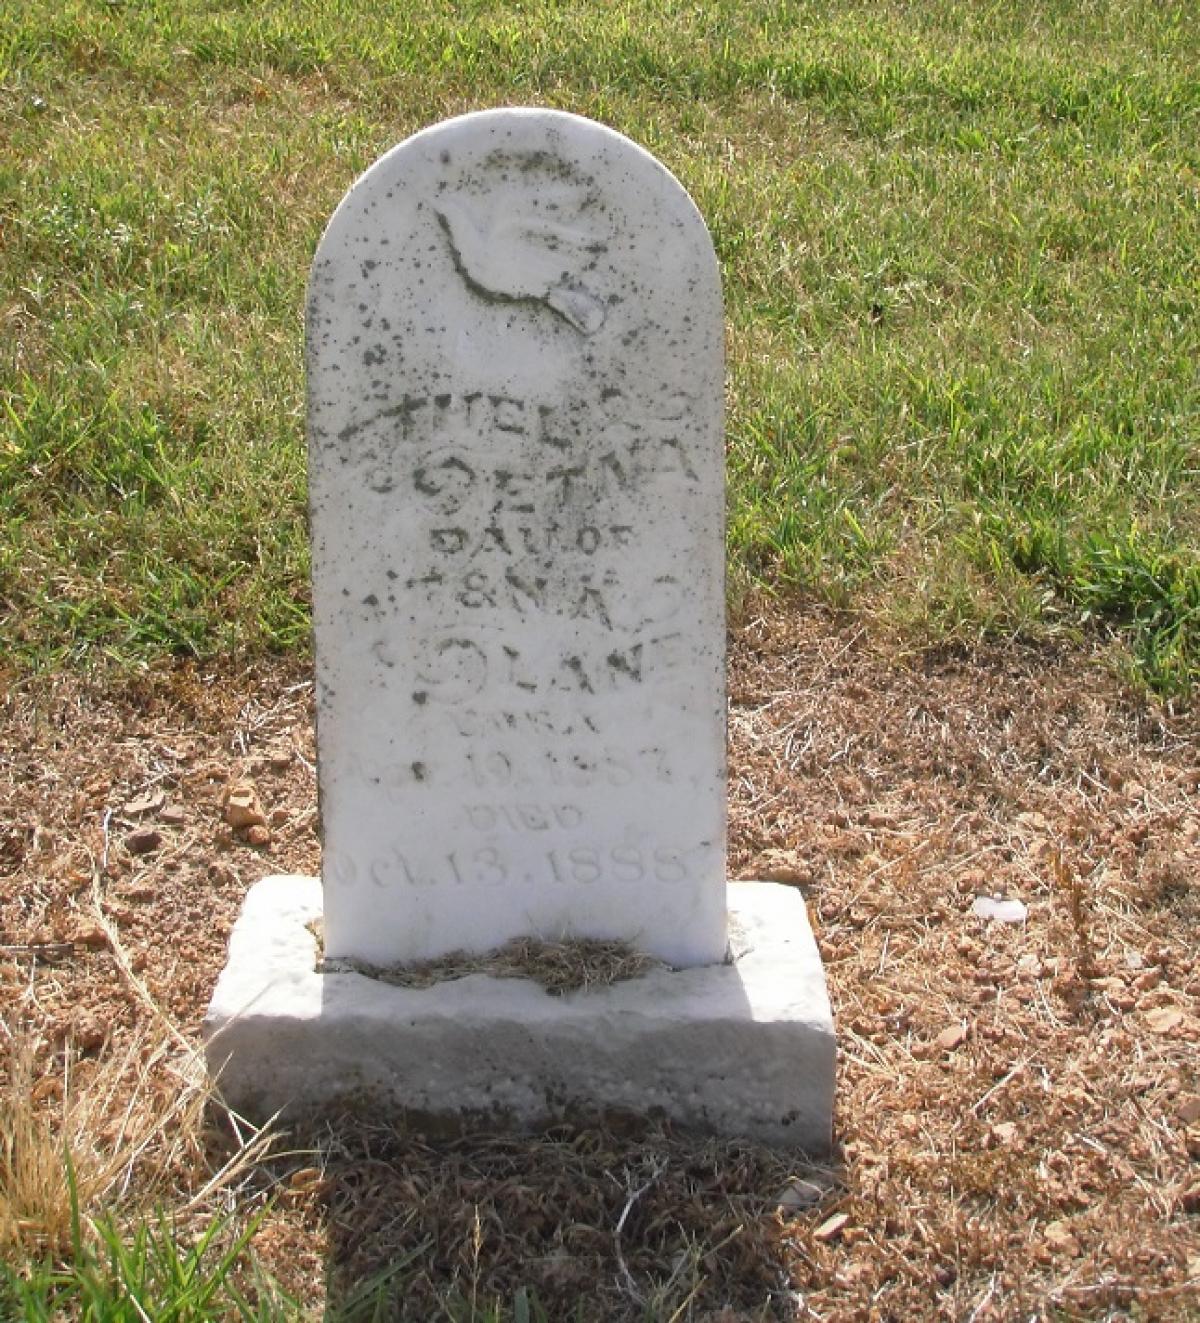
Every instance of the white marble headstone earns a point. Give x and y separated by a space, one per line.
516 485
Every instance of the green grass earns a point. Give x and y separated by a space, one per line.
960 246
114 1274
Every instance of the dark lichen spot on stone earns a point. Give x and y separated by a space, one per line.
370 600
419 697
418 771
575 666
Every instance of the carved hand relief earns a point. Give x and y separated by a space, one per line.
519 260
528 233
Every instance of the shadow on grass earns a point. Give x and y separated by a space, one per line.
618 1220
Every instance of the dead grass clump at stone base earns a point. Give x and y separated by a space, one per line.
559 967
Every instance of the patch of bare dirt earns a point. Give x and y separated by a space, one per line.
1018 1112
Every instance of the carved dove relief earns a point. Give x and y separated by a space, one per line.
521 259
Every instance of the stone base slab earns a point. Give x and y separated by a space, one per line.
741 1049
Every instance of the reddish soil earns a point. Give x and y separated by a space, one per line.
1018 1115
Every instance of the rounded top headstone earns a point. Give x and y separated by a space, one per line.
516 458
541 170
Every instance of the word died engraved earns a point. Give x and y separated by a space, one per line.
523 817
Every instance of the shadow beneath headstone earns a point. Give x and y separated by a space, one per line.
617 1219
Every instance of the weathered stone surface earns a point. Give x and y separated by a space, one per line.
740 1049
515 424
515 381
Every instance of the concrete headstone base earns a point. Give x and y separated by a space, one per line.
740 1049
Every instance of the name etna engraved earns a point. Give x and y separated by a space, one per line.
611 444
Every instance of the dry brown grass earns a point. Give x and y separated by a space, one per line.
124 1130
1018 1110
618 1220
